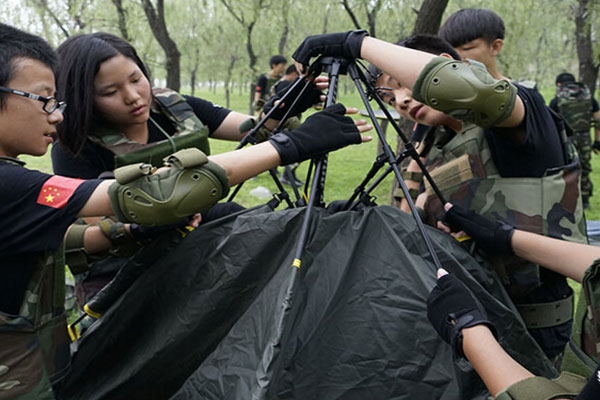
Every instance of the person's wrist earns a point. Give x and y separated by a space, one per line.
364 43
476 330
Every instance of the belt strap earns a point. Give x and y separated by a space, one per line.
546 315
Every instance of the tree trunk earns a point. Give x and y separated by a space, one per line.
429 17
351 14
283 39
122 15
156 19
250 49
232 61
588 70
428 22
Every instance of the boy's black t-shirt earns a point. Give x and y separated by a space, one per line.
94 159
30 229
541 148
261 84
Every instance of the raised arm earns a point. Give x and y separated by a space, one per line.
566 258
450 86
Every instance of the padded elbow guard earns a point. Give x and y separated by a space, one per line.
192 184
465 92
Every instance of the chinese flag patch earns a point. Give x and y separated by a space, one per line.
57 191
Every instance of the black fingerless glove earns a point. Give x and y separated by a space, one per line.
310 97
143 233
451 307
322 132
493 237
342 44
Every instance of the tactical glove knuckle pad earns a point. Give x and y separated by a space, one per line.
465 92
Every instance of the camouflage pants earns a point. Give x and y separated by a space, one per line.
583 143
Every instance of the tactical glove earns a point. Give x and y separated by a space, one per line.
322 132
143 233
451 307
596 147
310 97
342 44
493 237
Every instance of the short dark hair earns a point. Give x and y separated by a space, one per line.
291 69
278 59
80 60
427 43
564 77
470 24
15 44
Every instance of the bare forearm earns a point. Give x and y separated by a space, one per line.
497 369
247 162
402 63
566 258
98 204
228 130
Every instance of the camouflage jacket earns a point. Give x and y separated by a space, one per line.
34 345
582 355
574 103
189 132
462 166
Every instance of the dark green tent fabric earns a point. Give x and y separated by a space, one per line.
225 316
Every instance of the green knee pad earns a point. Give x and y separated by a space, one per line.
192 184
465 92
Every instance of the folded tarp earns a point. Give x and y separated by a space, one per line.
225 315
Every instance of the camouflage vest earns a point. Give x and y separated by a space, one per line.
582 355
462 166
575 105
34 350
189 132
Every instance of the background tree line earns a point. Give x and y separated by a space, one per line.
229 42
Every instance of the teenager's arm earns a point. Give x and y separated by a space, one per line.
405 65
228 130
322 132
245 163
496 367
566 258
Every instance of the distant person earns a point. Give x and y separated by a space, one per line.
267 80
580 110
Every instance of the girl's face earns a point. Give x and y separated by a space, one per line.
400 97
122 93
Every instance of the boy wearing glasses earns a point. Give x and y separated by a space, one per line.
36 209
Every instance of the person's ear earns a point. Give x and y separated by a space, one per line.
496 46
446 55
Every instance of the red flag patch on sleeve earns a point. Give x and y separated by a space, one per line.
57 191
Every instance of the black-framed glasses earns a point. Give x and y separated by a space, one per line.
50 103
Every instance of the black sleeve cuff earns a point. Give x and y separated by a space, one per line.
288 152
